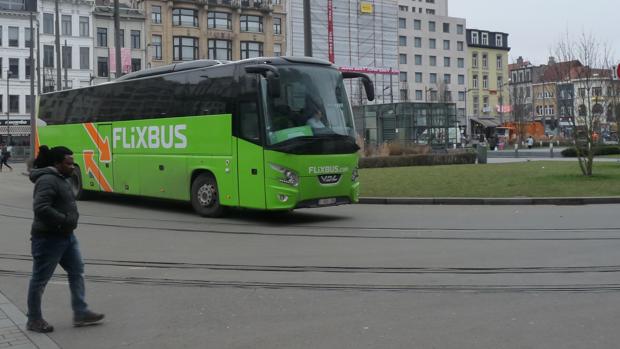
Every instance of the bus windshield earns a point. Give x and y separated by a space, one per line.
312 103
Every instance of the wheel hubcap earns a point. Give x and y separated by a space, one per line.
206 195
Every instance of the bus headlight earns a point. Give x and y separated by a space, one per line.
355 175
290 176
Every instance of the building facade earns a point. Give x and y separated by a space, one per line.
76 41
356 36
215 29
132 40
15 42
487 91
432 54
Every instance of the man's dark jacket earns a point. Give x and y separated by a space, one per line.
55 211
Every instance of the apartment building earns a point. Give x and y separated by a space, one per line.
132 40
214 29
488 92
432 54
76 44
15 42
356 36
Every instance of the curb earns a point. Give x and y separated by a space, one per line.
567 201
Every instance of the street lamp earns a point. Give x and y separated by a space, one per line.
8 107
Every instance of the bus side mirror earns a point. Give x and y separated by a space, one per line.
369 87
270 73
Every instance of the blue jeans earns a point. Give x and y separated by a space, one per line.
47 253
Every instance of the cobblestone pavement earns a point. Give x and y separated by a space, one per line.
13 332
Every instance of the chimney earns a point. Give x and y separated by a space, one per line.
551 60
520 60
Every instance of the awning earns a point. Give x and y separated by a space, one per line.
486 122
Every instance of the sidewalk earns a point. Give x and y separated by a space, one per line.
13 334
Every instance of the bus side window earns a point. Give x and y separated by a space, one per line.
249 127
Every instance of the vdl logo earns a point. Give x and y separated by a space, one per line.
329 178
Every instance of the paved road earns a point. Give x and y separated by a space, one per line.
346 277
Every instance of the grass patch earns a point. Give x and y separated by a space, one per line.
529 179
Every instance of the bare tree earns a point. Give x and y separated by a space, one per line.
520 111
582 60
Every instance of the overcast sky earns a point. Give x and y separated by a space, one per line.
536 25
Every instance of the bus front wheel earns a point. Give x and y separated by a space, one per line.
76 186
205 196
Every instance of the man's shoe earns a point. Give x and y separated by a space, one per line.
87 318
40 326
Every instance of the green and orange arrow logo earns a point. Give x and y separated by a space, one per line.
91 166
103 145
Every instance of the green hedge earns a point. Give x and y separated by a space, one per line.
598 150
418 160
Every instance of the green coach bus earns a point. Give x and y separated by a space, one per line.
264 133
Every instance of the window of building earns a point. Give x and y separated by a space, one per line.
251 49
27 65
156 14
136 64
14 103
135 39
474 38
220 49
446 27
461 62
252 24
28 103
500 61
485 61
277 25
185 48
485 104
418 59
476 104
184 17
485 82
597 91
66 25
418 78
404 94
417 42
48 23
459 29
417 24
402 58
102 67
446 62
433 61
430 11
403 76
67 61
460 46
433 78
13 37
27 37
14 68
433 94
84 58
461 96
156 44
419 95
48 56
499 40
402 23
402 41
485 39
447 78
474 60
277 50
431 26
432 43
474 81
403 8
102 37
219 20
461 79
500 82
84 26
446 44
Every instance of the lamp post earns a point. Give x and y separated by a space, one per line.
8 107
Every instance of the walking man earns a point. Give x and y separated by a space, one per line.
5 154
53 241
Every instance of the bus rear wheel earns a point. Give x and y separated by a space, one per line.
76 186
205 196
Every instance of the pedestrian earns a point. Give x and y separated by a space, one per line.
52 239
5 154
530 142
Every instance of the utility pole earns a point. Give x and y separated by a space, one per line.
58 73
38 60
66 69
117 44
307 30
33 121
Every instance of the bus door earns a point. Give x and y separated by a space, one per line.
250 159
103 157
